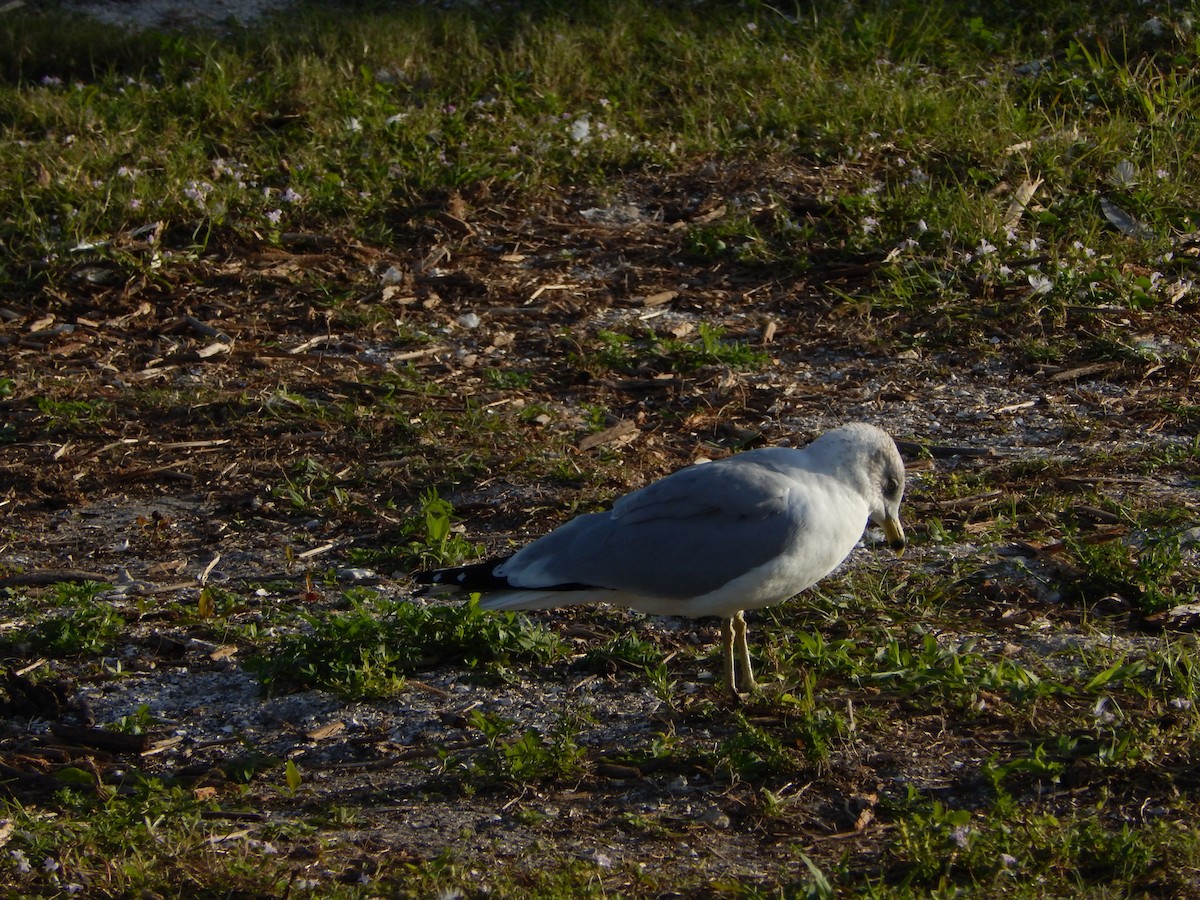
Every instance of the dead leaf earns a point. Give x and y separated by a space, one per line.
1020 202
865 818
711 216
660 298
325 731
167 567
619 432
213 350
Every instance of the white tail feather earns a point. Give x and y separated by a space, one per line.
535 599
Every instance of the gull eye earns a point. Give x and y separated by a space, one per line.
891 487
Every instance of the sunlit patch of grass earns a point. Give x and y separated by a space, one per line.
145 838
526 101
526 757
79 623
430 539
652 352
368 649
936 847
1151 576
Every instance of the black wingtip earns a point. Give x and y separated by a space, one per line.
475 577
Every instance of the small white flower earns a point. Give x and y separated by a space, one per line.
581 130
353 125
290 196
1153 27
274 215
197 192
21 861
985 248
1040 283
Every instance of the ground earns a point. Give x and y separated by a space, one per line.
195 435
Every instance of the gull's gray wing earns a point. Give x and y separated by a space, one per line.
682 536
738 487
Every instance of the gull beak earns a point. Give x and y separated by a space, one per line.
895 534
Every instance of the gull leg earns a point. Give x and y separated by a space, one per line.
727 641
738 627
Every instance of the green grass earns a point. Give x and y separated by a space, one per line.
1019 851
359 116
80 623
528 757
652 352
152 839
367 649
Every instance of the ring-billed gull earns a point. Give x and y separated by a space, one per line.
713 539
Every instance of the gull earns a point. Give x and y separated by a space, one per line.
713 539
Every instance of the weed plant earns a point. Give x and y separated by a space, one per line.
367 649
